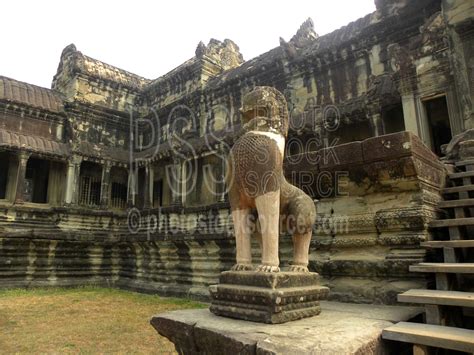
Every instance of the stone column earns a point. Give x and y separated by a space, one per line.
374 115
151 182
174 174
132 186
179 185
223 186
20 177
377 124
148 188
72 180
105 184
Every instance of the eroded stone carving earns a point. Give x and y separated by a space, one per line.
256 180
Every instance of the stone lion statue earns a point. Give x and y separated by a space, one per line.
256 181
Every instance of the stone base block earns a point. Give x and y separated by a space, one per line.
267 297
341 328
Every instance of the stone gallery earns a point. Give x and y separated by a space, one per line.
116 180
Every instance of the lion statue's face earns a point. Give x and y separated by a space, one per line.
264 109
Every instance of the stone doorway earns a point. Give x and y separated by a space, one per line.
437 116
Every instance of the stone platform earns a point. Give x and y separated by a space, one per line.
267 297
341 328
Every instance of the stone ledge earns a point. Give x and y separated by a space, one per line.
269 280
340 329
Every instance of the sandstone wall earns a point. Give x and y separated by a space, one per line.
365 237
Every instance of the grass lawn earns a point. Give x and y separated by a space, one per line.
83 320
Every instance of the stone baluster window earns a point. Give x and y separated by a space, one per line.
90 184
118 193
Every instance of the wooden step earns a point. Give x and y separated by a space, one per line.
455 189
461 175
452 222
448 244
464 163
457 203
431 335
438 297
447 268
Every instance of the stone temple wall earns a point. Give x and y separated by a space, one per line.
85 194
364 239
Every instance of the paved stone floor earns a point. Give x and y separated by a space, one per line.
341 328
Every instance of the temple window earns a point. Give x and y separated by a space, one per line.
36 180
4 169
118 191
141 182
90 183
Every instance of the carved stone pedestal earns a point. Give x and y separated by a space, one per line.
267 297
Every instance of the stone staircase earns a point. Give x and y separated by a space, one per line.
448 308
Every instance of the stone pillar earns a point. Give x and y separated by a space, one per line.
148 188
72 180
132 186
105 185
374 115
178 181
223 186
151 181
20 177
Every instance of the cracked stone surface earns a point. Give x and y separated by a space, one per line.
340 329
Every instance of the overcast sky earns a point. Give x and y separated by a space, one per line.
150 38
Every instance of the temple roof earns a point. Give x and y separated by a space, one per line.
104 71
12 90
32 144
95 68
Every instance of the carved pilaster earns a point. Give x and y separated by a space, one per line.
72 180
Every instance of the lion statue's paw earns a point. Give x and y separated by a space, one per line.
242 267
298 268
267 268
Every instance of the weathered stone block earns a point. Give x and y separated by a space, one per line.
340 329
267 297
